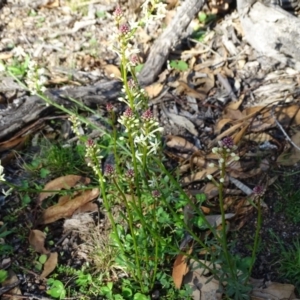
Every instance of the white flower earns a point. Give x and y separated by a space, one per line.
7 193
155 145
211 165
133 24
1 173
221 180
140 140
160 10
209 177
43 89
32 65
138 156
2 67
215 150
152 183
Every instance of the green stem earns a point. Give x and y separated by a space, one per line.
224 225
256 238
133 235
175 214
115 142
107 206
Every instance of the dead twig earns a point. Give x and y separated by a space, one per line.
282 129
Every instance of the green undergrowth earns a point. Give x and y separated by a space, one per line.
287 259
289 196
56 158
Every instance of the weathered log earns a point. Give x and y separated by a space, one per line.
169 38
31 108
271 31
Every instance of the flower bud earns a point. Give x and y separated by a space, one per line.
124 29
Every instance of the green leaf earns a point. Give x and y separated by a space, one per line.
173 64
101 14
38 266
35 163
139 296
138 68
201 198
126 292
57 289
26 199
3 275
244 263
43 258
199 222
202 17
179 65
199 35
44 172
5 232
182 65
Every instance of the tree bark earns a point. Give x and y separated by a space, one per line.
271 31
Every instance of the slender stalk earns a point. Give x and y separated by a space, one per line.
175 215
256 238
224 225
132 230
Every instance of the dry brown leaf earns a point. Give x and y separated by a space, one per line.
207 83
184 87
235 105
59 80
64 182
205 210
258 137
5 55
216 220
221 123
210 190
88 207
180 143
234 114
171 4
291 157
197 161
248 174
240 134
50 264
12 143
183 122
201 175
273 290
203 287
227 132
154 89
184 168
56 212
52 4
180 268
37 241
287 114
112 71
